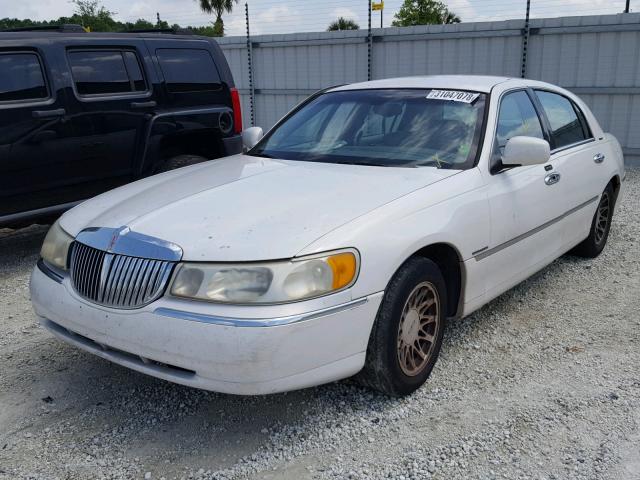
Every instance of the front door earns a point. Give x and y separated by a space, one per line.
36 143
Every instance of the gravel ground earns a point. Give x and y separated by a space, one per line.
542 383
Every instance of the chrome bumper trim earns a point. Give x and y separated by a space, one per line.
257 322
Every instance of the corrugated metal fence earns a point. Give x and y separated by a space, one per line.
597 57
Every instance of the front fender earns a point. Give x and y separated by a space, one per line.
454 211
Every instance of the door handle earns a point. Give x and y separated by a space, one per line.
48 113
149 104
598 157
552 178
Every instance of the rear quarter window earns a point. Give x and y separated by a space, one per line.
188 70
21 78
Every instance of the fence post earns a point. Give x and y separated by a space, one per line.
369 42
250 64
525 41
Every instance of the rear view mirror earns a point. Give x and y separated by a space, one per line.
251 136
523 151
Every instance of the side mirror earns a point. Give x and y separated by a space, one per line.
251 136
523 151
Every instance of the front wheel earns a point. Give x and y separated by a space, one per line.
593 245
408 330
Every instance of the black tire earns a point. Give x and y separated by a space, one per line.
593 245
180 161
383 370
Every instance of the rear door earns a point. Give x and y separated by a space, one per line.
576 156
112 102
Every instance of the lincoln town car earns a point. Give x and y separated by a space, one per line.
340 243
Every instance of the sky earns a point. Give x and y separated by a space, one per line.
286 16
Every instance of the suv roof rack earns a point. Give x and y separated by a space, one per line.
171 31
65 28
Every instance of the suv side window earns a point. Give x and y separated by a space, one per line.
21 78
517 116
566 126
106 72
188 70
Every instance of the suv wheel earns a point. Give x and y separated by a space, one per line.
408 331
180 161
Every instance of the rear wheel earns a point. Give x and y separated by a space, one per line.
600 226
180 161
408 331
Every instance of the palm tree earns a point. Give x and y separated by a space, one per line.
343 24
218 7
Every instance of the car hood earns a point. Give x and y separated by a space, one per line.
244 208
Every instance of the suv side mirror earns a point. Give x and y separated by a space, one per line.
522 151
251 136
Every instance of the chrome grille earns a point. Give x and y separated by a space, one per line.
115 280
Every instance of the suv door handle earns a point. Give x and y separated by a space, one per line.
149 104
598 157
552 178
48 113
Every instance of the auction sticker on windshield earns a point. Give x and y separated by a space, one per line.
453 95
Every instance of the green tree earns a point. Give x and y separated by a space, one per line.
343 24
140 24
91 14
218 7
423 12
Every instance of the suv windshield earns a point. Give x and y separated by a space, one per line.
395 128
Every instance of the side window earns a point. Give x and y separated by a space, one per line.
21 78
106 72
517 116
188 70
566 127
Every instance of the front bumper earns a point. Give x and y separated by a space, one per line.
194 344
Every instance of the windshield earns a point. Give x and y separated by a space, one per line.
395 128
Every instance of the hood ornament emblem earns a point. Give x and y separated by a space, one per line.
114 238
124 241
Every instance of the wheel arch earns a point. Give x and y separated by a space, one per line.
449 261
615 183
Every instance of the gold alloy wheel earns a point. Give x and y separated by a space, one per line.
418 328
602 218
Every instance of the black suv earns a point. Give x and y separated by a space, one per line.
81 113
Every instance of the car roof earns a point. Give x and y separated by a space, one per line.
477 83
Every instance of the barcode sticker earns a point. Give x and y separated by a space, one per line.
453 95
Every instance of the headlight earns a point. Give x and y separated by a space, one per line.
268 282
56 247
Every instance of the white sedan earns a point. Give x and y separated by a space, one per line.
341 243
